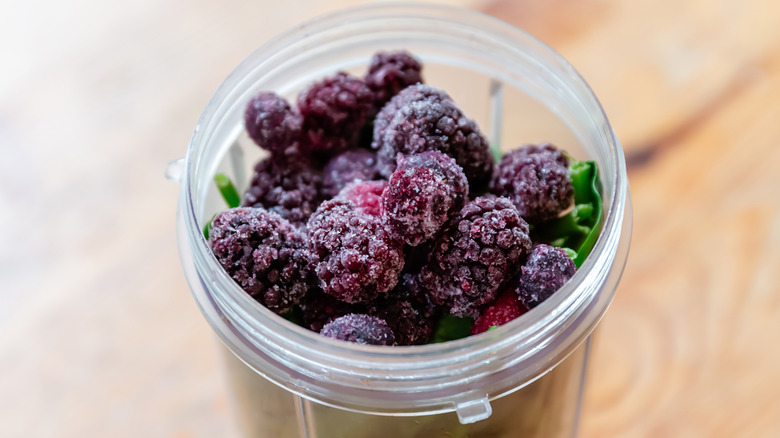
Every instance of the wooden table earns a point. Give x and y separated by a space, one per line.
98 333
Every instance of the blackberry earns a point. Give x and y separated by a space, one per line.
538 185
361 329
273 124
351 252
320 308
350 166
433 123
544 148
545 271
505 309
263 253
414 93
333 111
390 73
478 253
290 188
408 311
424 192
366 196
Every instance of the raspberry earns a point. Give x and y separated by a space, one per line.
478 252
538 185
352 253
334 110
545 271
390 73
365 196
320 308
290 188
504 310
408 311
431 123
361 329
272 124
263 253
347 167
424 192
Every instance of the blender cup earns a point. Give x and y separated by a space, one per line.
525 378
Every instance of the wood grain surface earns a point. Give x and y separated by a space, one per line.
99 336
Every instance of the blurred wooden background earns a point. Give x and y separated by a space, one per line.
100 337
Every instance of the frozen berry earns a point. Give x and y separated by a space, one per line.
290 188
366 196
415 93
263 253
333 111
538 185
545 271
361 329
480 250
390 73
351 252
273 124
433 123
347 167
544 148
408 311
424 192
320 308
504 310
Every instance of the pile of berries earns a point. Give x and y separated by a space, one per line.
375 242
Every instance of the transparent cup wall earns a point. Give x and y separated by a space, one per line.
509 94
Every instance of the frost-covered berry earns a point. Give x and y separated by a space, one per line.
334 109
273 124
290 188
544 148
350 166
414 93
476 255
545 271
263 253
320 308
361 329
432 123
538 185
504 310
424 192
351 252
366 196
390 73
407 309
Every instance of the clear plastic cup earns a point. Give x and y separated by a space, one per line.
525 378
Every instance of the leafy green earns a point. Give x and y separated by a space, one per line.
294 315
451 327
578 230
227 190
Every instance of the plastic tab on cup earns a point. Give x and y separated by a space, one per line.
473 410
174 169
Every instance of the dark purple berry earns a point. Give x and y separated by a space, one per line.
366 196
351 252
538 185
544 148
350 166
478 252
407 309
273 124
361 329
424 192
320 308
390 73
545 271
263 253
334 109
415 93
433 123
290 188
